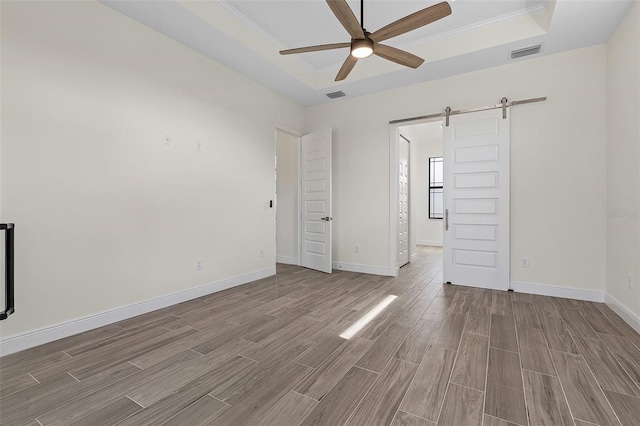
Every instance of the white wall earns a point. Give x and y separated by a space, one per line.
108 215
287 151
426 143
623 161
556 216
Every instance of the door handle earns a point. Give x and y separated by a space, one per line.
326 219
446 219
8 270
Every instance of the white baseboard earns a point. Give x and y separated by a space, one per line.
289 260
414 256
48 334
625 313
557 291
365 269
429 243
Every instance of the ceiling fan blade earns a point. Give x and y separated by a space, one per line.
413 21
398 56
346 17
315 48
346 68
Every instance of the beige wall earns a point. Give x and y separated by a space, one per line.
623 161
108 215
558 150
287 151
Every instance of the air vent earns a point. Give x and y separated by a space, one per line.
531 50
334 95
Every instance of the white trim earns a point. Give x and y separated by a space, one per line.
413 256
50 333
299 213
530 11
623 312
429 243
286 129
394 143
365 269
558 291
288 260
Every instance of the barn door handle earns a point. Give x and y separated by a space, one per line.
446 219
8 270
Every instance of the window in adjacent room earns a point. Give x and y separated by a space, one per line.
435 188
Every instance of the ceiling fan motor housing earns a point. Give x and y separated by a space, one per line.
361 48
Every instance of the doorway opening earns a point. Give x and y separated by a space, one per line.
302 187
473 195
418 223
287 196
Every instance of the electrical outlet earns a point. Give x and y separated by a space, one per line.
630 281
198 264
525 262
357 249
198 146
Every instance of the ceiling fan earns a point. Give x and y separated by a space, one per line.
363 43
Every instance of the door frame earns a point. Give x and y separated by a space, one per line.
278 127
394 180
306 261
409 202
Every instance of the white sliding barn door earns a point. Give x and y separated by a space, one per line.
476 200
316 201
403 203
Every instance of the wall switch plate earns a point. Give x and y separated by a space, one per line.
261 253
357 249
525 262
198 264
630 281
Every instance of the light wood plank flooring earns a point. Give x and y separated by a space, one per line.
270 353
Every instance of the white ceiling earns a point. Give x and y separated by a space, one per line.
246 36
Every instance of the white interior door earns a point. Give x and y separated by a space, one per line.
403 203
316 201
476 200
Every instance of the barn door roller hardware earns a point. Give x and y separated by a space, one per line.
504 103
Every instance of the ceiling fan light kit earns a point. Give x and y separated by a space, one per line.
362 48
364 44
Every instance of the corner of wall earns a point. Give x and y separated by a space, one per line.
622 166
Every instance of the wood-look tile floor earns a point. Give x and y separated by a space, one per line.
270 353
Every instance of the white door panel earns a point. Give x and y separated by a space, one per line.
476 200
403 204
316 201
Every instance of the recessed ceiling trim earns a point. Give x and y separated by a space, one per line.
251 24
456 32
533 10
